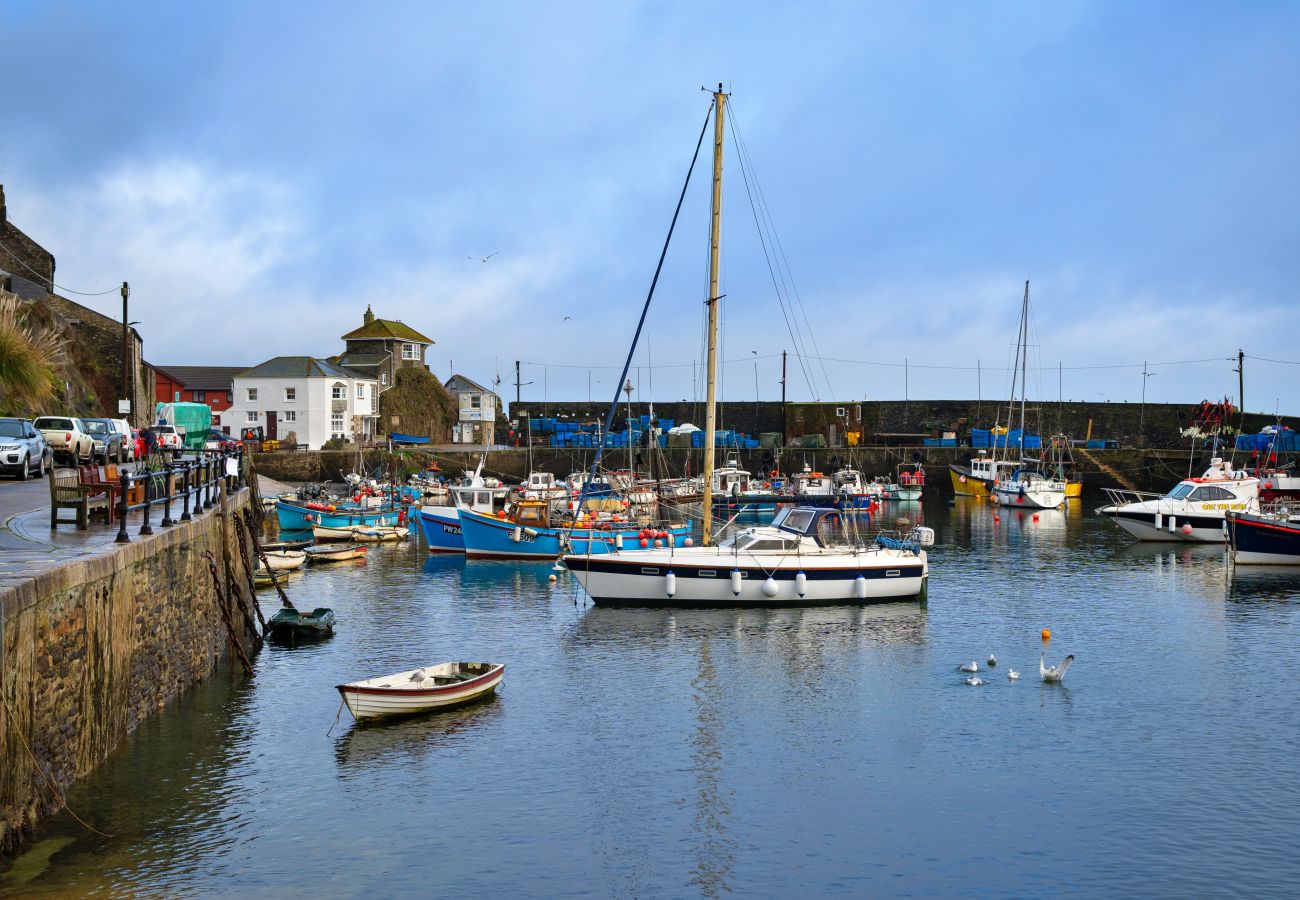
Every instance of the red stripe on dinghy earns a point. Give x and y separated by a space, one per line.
422 692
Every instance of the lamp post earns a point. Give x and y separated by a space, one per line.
1143 409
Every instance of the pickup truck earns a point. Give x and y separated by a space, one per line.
67 437
169 439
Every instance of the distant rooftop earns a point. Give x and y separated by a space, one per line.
203 378
297 367
385 330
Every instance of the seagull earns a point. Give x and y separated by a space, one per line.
972 667
567 318
974 681
484 258
418 675
993 660
1054 673
1012 674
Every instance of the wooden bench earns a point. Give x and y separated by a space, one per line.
67 492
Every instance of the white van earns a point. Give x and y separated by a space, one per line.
128 439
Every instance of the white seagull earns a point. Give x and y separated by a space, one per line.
1054 673
971 667
974 681
993 660
1012 674
484 258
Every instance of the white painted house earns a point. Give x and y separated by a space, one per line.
311 398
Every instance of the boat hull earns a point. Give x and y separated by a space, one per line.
317 555
964 484
284 560
1142 525
1029 498
291 625
368 703
487 537
1260 541
440 526
643 581
301 518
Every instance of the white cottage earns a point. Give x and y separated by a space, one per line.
311 398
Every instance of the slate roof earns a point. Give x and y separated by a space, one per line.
387 330
297 367
459 384
362 360
202 378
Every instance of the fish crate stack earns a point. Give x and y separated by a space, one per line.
983 438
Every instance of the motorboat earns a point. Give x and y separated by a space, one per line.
908 483
440 523
1196 510
786 563
541 486
534 529
1270 537
1029 488
736 491
420 690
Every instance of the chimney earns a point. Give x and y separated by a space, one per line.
2 206
367 318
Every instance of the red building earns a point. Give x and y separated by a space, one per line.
212 385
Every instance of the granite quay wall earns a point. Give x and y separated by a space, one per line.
92 647
1155 470
1133 425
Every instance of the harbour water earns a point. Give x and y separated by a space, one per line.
753 752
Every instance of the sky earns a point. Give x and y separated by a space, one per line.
260 173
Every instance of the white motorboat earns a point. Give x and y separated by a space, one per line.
1029 489
1195 510
542 486
283 560
421 690
786 563
808 483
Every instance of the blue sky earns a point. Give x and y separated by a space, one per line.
261 172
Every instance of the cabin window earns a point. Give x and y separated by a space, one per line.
410 351
798 520
1179 492
529 514
1211 493
768 545
252 395
338 392
290 394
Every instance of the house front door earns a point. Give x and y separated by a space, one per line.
271 433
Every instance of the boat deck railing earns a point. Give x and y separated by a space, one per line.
1124 496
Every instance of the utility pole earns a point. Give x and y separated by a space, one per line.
979 388
126 337
1241 380
517 383
782 398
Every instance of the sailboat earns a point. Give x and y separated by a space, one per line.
786 563
1027 486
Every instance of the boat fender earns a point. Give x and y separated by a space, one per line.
1173 524
860 587
517 535
1159 521
670 583
531 532
735 582
618 542
770 587
801 583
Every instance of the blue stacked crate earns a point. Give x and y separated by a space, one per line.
667 424
697 439
1096 444
981 438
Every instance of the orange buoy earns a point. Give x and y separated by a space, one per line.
1047 634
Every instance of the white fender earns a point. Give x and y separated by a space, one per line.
670 583
860 588
735 582
1160 521
1173 524
531 532
517 534
618 545
801 584
770 587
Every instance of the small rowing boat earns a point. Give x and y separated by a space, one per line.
334 553
287 545
380 534
421 690
284 560
330 533
290 624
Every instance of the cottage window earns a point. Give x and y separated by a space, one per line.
475 401
839 412
252 415
252 395
410 351
288 416
383 378
200 396
336 423
230 396
361 390
338 392
290 394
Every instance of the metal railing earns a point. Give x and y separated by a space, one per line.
199 479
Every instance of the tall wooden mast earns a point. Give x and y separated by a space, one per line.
711 364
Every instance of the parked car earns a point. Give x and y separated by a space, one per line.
137 444
122 427
109 442
23 449
67 437
219 440
169 439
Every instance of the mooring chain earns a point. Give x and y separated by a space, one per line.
223 606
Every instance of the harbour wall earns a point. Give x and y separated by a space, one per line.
1148 469
94 646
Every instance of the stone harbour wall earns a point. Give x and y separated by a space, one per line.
91 648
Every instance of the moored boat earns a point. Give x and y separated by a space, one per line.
326 533
283 560
1270 537
290 624
1030 489
978 477
334 552
530 530
377 534
421 690
294 517
1196 510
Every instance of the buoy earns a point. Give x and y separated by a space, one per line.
1035 517
658 543
962 479
688 543
860 587
644 543
735 581
801 584
996 519
670 583
1020 499
1187 528
770 587
1047 634
552 579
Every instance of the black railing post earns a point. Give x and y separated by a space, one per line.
145 527
122 536
185 509
167 521
208 469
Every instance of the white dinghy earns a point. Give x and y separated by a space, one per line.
420 690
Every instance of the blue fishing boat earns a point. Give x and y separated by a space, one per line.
527 532
295 517
440 522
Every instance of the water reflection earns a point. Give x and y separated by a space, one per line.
714 849
401 742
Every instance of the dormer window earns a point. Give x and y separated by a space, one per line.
338 391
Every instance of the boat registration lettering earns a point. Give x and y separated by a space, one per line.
451 529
